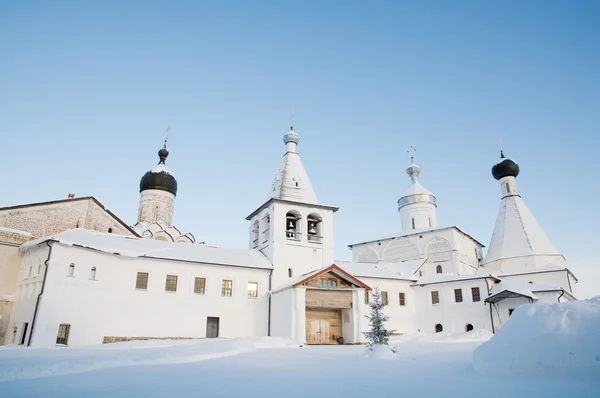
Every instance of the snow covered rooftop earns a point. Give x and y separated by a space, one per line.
402 270
443 278
517 233
150 248
499 290
416 232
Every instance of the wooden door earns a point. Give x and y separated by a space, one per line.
320 332
212 327
322 326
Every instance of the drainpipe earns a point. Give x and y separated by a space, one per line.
563 292
270 295
490 304
39 297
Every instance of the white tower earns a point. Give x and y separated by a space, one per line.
518 243
417 205
291 228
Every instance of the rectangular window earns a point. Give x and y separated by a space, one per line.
171 283
458 295
142 281
200 285
435 297
475 294
366 297
252 289
227 288
63 334
413 223
384 298
401 299
327 283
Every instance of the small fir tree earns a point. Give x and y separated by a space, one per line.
378 334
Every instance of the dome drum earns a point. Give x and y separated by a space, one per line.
418 198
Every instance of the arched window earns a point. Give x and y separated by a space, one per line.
289 272
93 273
468 327
292 225
439 328
71 271
438 269
255 233
413 223
313 228
507 188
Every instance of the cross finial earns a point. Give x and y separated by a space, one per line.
291 119
411 152
167 132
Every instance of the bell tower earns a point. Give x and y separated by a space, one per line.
292 228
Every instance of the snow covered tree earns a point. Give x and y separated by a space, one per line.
378 334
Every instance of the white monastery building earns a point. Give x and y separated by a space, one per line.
73 273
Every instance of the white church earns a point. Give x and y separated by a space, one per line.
72 273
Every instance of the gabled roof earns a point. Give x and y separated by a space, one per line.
517 233
418 232
509 289
333 268
446 278
113 244
83 198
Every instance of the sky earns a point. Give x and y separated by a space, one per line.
87 90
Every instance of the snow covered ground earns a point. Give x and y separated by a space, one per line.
442 364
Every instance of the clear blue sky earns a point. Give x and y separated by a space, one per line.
88 87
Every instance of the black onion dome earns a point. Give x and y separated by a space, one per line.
505 168
159 177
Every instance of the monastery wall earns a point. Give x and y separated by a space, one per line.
110 304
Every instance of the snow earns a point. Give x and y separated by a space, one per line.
437 278
416 189
400 270
524 289
139 247
425 365
160 168
545 339
15 231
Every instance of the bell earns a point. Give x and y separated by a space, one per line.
312 228
291 225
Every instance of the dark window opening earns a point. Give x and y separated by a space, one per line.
458 295
62 337
438 269
468 327
475 294
439 328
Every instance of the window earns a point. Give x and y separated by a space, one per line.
141 282
507 188
200 285
429 222
458 295
420 273
71 271
327 283
439 328
510 311
255 233
252 289
292 226
63 334
384 298
313 228
289 272
227 288
435 297
110 230
266 227
366 297
413 223
93 273
171 283
401 299
475 294
468 327
438 269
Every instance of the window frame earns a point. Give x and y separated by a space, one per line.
367 298
167 290
196 291
402 299
137 279
439 269
93 272
386 301
435 297
225 289
328 283
251 296
458 295
71 270
67 333
473 290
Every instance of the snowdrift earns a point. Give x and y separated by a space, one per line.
544 339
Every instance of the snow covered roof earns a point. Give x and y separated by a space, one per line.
292 182
444 278
401 270
417 232
417 189
508 289
150 248
334 268
517 233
